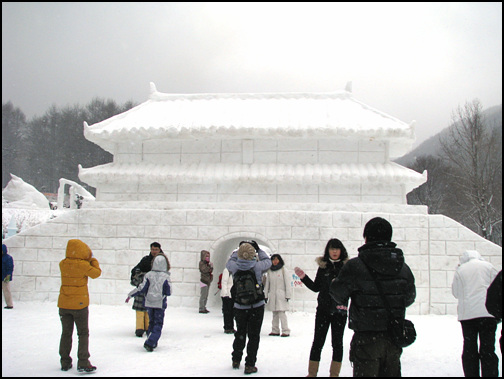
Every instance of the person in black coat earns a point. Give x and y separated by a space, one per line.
372 352
328 314
493 301
137 274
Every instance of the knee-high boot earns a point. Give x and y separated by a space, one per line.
312 369
335 369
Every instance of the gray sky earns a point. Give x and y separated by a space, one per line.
414 61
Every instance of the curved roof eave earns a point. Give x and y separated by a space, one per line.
266 115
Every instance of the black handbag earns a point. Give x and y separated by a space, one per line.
401 331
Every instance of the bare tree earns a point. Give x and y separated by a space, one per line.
433 192
472 150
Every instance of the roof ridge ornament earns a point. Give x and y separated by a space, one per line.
153 89
348 87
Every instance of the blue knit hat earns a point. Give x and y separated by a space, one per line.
4 249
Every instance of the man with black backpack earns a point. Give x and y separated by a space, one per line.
247 265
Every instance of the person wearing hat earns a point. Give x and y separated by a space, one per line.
372 351
7 269
470 283
248 318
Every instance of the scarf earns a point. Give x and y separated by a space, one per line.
276 267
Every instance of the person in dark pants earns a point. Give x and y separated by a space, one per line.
73 302
472 278
330 264
493 301
372 351
227 302
248 318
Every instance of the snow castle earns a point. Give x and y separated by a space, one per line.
205 171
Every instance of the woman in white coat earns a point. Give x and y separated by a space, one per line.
227 302
470 283
278 291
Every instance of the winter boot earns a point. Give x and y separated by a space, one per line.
66 367
335 369
250 369
148 348
88 368
312 369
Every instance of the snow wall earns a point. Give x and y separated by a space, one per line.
121 235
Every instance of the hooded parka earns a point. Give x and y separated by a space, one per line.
205 268
470 283
78 265
156 284
367 311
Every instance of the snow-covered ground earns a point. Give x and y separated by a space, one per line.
194 344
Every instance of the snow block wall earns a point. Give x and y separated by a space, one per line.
432 245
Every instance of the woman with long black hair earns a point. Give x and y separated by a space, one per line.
328 314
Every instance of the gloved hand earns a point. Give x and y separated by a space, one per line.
266 300
127 299
7 278
255 245
299 272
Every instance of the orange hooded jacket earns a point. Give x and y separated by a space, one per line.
75 269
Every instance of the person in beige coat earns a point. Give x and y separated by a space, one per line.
278 291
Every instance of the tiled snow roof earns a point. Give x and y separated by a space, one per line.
257 173
266 115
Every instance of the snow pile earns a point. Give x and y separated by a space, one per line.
24 207
19 194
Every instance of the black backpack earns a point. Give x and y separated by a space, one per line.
246 290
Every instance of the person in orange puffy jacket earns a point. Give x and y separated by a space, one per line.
73 302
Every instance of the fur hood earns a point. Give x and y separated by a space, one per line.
323 264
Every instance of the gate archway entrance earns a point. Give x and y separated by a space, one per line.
221 250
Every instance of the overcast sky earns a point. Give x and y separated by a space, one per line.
414 61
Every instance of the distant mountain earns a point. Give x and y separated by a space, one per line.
431 146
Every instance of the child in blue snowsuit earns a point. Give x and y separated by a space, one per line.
155 287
